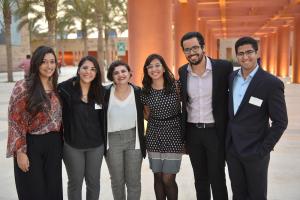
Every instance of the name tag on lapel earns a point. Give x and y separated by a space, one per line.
255 101
97 106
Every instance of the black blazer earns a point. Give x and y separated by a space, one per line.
140 114
249 131
221 70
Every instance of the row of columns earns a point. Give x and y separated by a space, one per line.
296 51
280 49
156 26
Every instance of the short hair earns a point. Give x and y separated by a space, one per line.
112 67
246 40
190 35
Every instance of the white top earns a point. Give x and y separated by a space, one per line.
121 114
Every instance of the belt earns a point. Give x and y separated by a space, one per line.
166 119
203 125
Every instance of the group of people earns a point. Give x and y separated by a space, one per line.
211 113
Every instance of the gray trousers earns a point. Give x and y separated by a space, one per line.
124 164
83 164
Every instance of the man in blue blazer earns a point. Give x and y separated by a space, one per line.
256 98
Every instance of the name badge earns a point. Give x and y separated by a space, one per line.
255 101
97 106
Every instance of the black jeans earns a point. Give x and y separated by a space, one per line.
208 161
44 178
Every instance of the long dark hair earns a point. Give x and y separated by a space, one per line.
167 75
96 89
37 97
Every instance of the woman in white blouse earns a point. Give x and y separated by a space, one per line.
125 129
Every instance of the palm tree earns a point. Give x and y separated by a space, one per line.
107 14
115 18
97 15
50 13
7 7
80 10
64 26
33 27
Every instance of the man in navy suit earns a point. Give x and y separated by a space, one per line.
256 98
204 107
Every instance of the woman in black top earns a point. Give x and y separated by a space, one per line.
84 127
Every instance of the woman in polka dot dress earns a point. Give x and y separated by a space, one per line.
163 136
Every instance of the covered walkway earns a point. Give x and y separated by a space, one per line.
157 26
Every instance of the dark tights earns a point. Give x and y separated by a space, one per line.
165 186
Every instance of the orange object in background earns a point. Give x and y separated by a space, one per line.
93 53
68 58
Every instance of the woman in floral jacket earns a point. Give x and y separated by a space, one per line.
34 122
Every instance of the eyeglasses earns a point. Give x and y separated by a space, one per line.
193 48
247 53
87 68
158 65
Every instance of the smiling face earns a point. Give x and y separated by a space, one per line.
121 75
155 69
193 51
48 66
247 58
87 72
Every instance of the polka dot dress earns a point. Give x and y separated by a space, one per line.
163 132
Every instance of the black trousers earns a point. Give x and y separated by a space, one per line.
207 155
43 181
249 178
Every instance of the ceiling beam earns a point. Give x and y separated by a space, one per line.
222 4
279 14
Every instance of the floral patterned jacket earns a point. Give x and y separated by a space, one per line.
21 122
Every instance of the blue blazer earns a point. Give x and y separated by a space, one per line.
249 133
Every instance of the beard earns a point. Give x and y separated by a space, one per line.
196 61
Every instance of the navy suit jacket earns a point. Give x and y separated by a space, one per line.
221 70
249 132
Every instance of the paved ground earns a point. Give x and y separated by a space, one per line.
284 171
